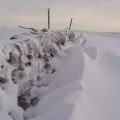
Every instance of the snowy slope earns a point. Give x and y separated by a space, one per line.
87 85
101 98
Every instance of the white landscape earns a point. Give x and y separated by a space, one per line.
78 76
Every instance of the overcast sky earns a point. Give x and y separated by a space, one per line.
96 15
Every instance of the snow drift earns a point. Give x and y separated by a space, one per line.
33 63
81 82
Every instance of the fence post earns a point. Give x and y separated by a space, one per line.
48 18
70 23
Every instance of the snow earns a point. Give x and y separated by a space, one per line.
85 85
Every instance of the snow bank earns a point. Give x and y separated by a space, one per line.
85 80
34 61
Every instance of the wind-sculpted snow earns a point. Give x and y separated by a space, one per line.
96 97
59 75
32 63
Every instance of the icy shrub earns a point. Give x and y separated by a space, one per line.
28 59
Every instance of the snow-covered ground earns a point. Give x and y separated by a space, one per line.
86 84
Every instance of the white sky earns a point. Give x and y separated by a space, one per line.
96 15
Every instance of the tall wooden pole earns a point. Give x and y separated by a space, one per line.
70 23
48 18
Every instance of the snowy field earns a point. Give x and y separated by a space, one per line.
85 85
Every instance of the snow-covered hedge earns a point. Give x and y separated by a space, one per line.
24 63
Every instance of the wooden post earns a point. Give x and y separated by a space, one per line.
48 18
70 23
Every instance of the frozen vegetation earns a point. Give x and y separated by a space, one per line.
59 75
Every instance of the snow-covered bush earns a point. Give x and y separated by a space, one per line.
25 60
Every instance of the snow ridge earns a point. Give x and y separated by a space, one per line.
27 61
